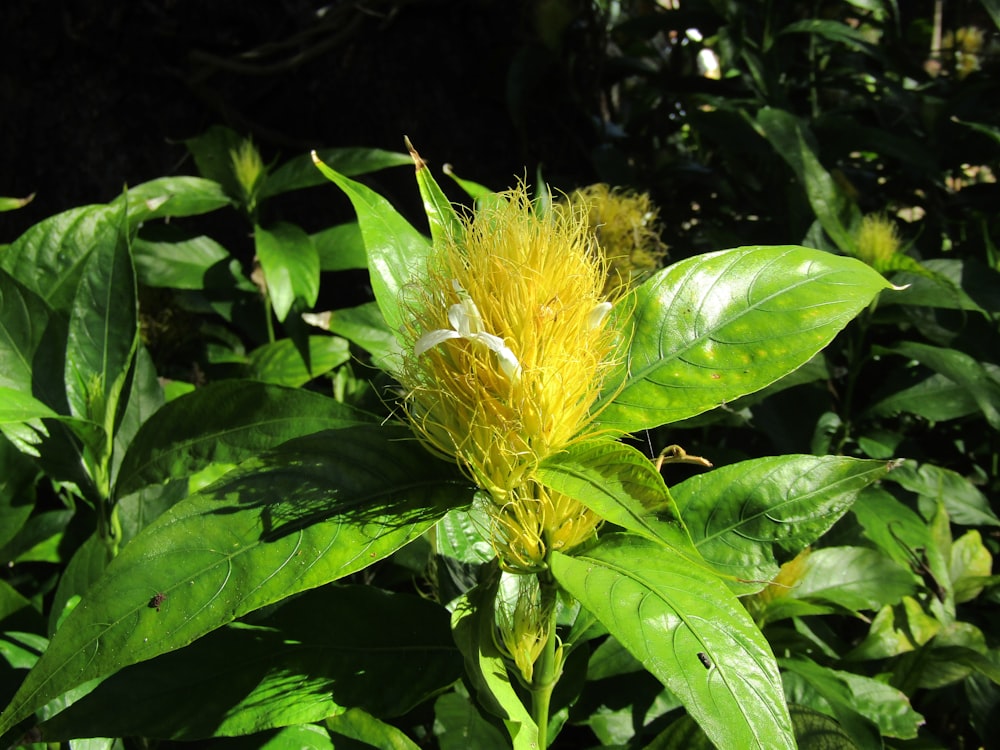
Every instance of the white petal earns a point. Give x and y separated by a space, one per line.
598 314
508 360
432 339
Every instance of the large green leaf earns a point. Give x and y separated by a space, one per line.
737 514
309 512
357 724
167 257
958 366
856 578
396 251
690 631
715 327
340 247
291 266
441 216
226 422
49 258
307 661
103 332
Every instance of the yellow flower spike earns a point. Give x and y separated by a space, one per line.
878 240
522 622
627 231
507 348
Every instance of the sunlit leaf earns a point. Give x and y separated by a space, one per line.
300 172
715 327
282 363
686 628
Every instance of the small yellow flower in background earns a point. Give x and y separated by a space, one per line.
878 240
249 170
507 348
627 233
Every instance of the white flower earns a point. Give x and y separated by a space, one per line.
467 323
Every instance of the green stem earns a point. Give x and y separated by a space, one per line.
548 667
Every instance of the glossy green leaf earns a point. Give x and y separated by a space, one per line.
441 217
971 562
964 502
340 247
856 578
739 514
937 398
310 512
212 155
23 316
359 725
714 327
17 497
967 372
674 617
226 422
849 693
49 258
622 486
789 136
955 284
173 197
18 406
291 266
472 625
300 172
892 526
305 662
895 630
282 363
395 249
103 333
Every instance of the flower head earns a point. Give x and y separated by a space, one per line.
508 348
878 241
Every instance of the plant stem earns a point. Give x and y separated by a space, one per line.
548 668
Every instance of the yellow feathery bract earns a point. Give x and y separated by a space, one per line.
507 350
878 240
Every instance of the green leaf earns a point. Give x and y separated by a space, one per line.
715 327
305 662
441 216
834 31
300 171
789 136
961 498
49 258
358 725
739 513
310 512
971 562
395 249
362 325
472 625
851 696
173 197
674 617
291 266
172 259
959 367
461 726
226 422
937 398
211 152
12 204
103 333
855 578
340 247
282 363
23 316
892 526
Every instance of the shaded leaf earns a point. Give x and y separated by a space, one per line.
23 316
282 363
855 578
307 513
173 197
962 500
305 662
340 247
291 266
300 172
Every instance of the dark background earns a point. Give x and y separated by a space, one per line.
99 94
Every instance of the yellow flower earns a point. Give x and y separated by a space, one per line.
507 347
878 240
627 233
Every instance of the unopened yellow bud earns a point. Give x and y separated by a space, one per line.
248 167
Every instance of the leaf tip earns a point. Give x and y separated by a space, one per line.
418 162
